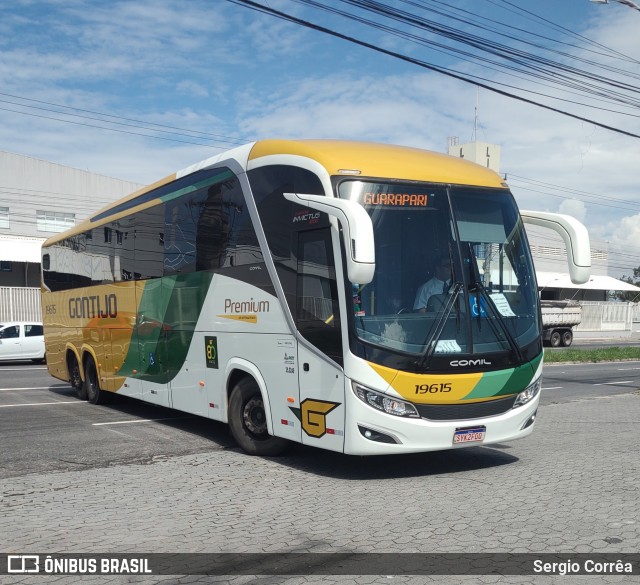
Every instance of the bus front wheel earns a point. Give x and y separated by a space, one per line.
248 420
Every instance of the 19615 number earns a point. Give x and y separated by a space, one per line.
433 388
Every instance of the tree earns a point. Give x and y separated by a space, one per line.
630 295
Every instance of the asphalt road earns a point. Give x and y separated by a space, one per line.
133 478
44 427
568 382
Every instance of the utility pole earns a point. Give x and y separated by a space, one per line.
629 3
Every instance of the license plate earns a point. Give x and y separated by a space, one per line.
469 435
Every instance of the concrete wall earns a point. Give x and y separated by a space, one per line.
28 185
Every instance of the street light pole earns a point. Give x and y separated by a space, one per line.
629 3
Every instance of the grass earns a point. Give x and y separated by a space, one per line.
607 354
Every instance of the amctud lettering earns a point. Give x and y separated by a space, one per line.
98 306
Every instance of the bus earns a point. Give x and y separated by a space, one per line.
274 287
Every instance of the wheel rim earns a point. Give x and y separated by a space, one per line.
254 417
75 376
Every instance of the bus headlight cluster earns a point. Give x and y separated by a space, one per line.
529 393
388 404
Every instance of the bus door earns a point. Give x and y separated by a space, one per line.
321 378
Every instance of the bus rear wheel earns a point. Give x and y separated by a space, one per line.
74 377
92 383
248 420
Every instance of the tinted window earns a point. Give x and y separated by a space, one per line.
281 219
97 249
69 265
124 249
149 243
318 315
210 229
10 332
202 223
300 242
33 330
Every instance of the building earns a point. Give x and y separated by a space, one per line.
37 200
550 259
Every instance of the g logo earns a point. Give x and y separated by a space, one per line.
312 414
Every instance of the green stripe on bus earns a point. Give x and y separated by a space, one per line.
167 315
504 382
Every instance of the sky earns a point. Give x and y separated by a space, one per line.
137 89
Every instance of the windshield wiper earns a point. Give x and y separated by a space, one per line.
476 286
431 342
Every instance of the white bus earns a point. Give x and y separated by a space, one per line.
280 287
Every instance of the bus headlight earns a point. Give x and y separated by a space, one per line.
388 404
529 393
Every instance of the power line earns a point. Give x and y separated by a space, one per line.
109 129
444 71
137 123
512 70
574 193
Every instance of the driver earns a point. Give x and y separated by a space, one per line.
437 285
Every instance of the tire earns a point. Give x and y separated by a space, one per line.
75 379
555 339
92 383
567 338
248 422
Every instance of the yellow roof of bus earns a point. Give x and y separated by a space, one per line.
383 160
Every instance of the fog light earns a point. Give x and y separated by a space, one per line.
530 421
377 436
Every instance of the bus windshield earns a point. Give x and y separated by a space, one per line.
453 274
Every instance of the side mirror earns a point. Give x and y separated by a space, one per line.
575 236
357 231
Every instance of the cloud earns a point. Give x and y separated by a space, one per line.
575 208
191 88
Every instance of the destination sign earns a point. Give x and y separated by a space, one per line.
396 199
392 195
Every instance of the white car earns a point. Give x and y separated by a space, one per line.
21 341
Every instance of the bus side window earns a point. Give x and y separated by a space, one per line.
148 247
282 219
318 313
